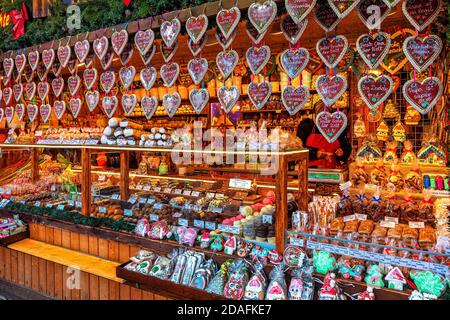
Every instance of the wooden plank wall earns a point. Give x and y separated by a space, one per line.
51 278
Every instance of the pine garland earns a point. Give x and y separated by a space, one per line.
95 15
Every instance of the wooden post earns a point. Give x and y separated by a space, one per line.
85 181
281 222
124 175
34 164
303 182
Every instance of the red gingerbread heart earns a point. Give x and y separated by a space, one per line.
259 93
332 50
299 9
422 52
331 125
374 91
295 99
423 95
373 48
227 20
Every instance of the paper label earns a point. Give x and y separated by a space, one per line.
361 217
127 213
267 218
187 192
240 184
199 224
195 194
391 219
229 229
297 242
349 218
416 224
154 217
183 222
102 209
345 185
115 196
37 204
60 207
210 225
387 224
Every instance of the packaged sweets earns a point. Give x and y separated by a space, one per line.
427 237
330 289
217 284
391 207
395 178
360 175
378 175
277 289
360 202
344 207
337 225
390 156
369 151
426 209
413 179
374 210
256 286
410 209
408 155
237 281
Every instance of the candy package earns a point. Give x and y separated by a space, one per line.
277 289
237 281
256 286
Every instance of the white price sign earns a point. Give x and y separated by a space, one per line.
240 184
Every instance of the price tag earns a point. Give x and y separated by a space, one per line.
60 207
345 185
143 200
127 212
71 203
167 190
154 217
49 205
187 192
132 200
177 214
220 195
210 195
139 187
101 178
37 204
391 219
195 193
297 242
157 189
417 224
240 184
361 217
183 222
102 209
38 133
146 188
158 206
267 218
217 210
349 218
229 229
22 202
387 224
78 204
210 225
151 200
199 224
115 196
177 191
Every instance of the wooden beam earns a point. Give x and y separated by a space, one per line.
281 221
86 181
124 175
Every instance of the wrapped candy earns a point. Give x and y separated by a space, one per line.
374 276
277 289
399 131
428 282
344 207
324 261
366 295
410 208
330 289
202 276
374 210
408 155
217 243
217 284
378 176
360 202
382 131
391 206
360 175
359 128
302 282
426 209
395 178
142 228
256 286
390 156
413 179
237 281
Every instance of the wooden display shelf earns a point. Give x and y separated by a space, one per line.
4 242
174 290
